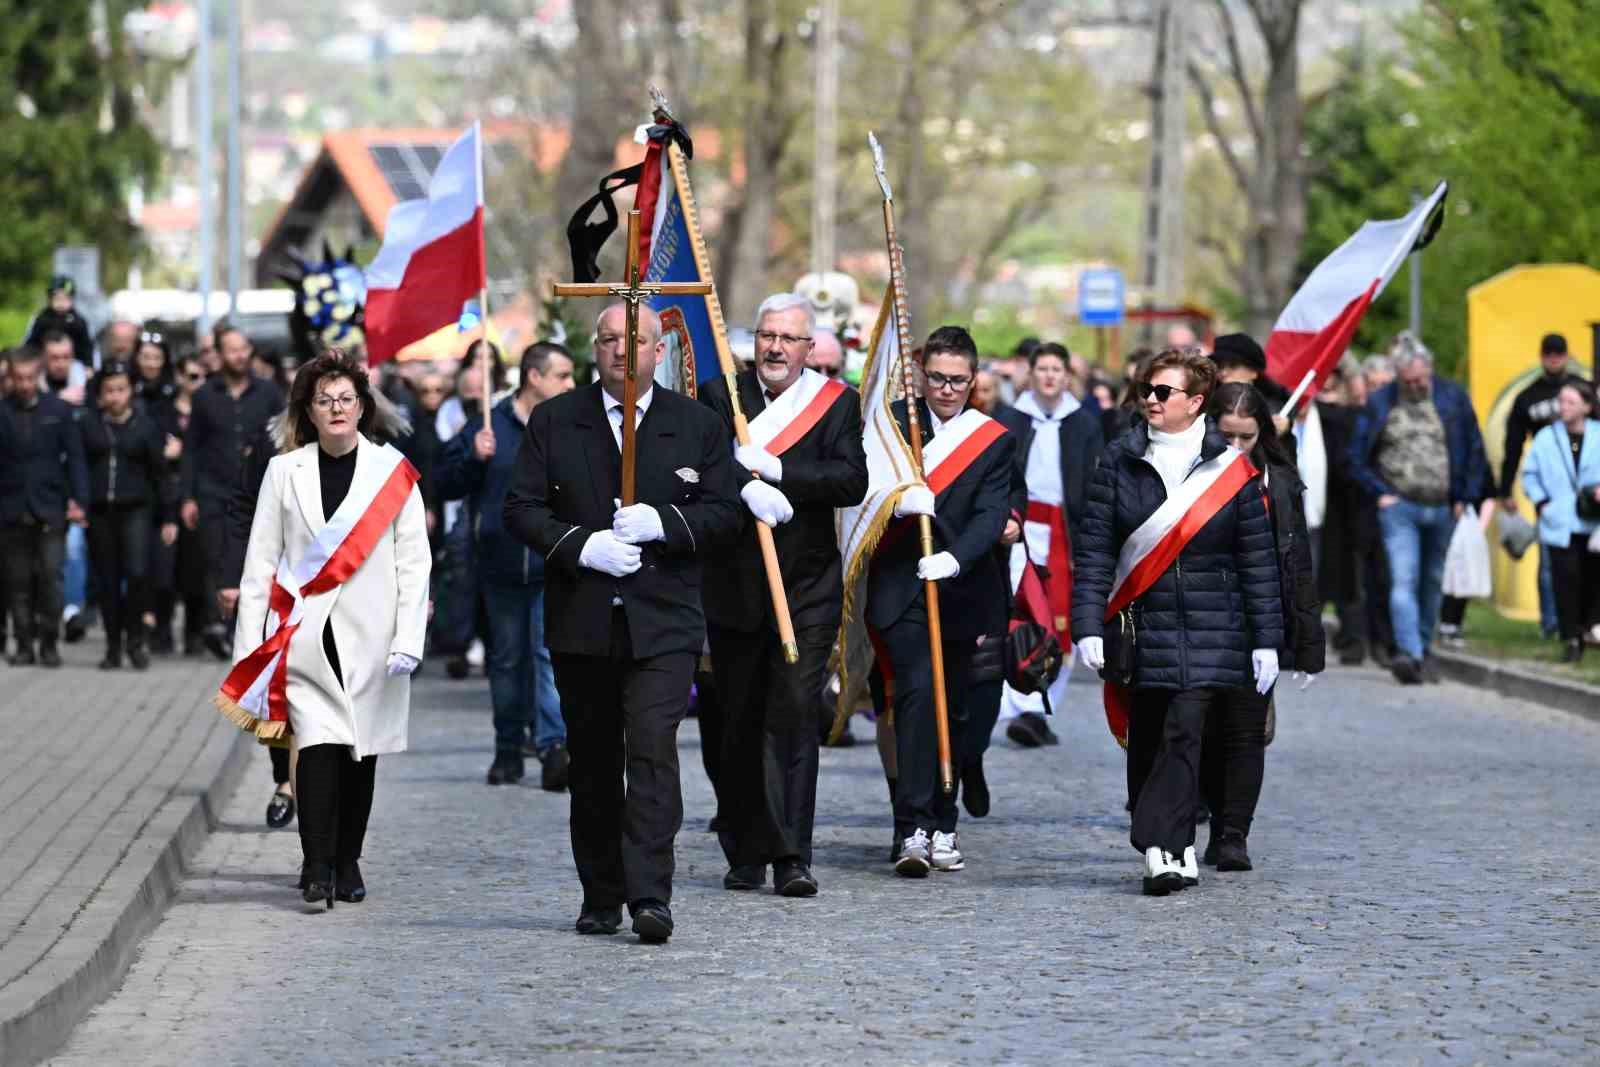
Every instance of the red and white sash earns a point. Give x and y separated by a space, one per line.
786 421
254 694
1152 548
953 449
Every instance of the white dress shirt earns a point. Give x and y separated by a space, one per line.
614 412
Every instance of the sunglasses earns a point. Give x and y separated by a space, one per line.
150 338
1162 393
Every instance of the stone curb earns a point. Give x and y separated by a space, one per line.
1520 683
40 1012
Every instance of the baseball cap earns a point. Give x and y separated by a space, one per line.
62 283
1553 344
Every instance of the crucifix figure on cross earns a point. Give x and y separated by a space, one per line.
632 293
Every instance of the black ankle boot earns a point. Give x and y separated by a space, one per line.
319 882
112 660
348 884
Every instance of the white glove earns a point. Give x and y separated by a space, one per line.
758 460
1264 661
637 524
937 567
767 503
400 663
1092 651
604 553
917 500
1304 679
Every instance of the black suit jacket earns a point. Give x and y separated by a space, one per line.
824 470
41 471
969 517
568 474
1082 441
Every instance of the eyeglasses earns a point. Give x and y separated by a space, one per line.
194 376
937 381
1162 393
336 403
787 340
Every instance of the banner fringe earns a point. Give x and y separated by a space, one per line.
267 731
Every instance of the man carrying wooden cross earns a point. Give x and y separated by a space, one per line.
622 606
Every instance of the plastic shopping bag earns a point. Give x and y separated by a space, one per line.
1466 564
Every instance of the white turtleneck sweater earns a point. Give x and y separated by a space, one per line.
1175 454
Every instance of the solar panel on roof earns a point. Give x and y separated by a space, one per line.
407 167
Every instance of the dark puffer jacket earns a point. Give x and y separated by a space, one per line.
1198 623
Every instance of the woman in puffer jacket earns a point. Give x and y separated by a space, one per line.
1234 755
1204 618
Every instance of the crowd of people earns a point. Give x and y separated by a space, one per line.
1187 529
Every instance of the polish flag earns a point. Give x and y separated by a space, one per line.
1315 329
432 261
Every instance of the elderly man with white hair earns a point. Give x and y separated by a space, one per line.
804 459
1417 449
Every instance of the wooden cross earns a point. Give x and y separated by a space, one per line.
633 294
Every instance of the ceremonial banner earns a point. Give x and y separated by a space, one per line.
432 260
666 213
1315 329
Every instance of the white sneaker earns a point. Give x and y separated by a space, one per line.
1161 874
474 656
946 856
913 861
1190 868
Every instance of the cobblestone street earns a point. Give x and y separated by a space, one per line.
1425 891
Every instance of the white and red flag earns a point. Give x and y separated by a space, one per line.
1315 329
432 260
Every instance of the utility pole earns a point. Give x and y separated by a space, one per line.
235 204
203 182
826 150
1163 229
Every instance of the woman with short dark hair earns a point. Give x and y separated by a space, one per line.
1563 468
332 611
1175 596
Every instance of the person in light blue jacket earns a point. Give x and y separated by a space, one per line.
1563 463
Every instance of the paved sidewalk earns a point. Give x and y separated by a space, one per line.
1424 892
106 783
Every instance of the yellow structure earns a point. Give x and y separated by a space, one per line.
1506 317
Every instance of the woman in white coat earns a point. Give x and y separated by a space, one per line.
1564 463
333 608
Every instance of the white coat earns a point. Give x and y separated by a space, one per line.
380 609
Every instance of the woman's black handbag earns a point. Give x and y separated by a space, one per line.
1031 652
1120 648
1588 506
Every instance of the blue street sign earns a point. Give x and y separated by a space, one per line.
1100 297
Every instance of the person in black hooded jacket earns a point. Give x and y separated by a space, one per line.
1234 751
1211 620
128 489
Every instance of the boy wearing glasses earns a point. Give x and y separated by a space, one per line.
805 458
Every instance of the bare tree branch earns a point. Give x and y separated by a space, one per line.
1208 108
1236 67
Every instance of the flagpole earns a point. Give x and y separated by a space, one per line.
902 325
483 293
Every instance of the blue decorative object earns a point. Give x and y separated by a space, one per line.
330 305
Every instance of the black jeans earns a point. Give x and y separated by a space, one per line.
1234 758
622 734
768 764
1165 732
920 801
33 556
119 552
334 801
178 574
1576 574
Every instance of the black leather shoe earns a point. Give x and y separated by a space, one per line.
600 921
112 660
1028 729
217 642
1232 855
348 885
280 810
974 788
506 768
745 877
456 667
23 657
75 629
555 767
652 921
1406 670
793 879
48 656
319 883
1209 857
138 658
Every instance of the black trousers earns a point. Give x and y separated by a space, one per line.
708 712
178 574
979 712
1165 731
768 765
119 552
919 799
1233 758
334 801
33 553
1576 575
622 734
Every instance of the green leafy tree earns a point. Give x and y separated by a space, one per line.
71 141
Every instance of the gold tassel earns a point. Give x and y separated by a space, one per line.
266 731
856 571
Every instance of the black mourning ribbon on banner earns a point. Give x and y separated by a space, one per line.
586 238
1430 229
